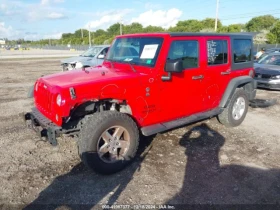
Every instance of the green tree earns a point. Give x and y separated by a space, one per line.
259 23
189 25
274 35
208 23
114 29
236 28
66 35
99 32
78 33
151 29
133 28
223 29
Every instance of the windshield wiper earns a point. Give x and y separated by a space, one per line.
132 67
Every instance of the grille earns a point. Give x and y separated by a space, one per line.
264 76
44 97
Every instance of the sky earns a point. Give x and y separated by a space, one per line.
44 19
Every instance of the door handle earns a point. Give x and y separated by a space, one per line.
198 77
225 72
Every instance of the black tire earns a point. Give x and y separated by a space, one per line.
226 117
64 68
90 135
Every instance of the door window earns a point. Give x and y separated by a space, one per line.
187 51
242 49
217 52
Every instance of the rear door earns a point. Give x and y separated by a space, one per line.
217 70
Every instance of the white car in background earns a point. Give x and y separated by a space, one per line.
94 56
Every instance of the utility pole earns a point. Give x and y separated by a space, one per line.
89 38
217 11
82 33
121 27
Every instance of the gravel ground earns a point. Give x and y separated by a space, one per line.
203 163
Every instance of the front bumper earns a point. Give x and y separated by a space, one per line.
44 127
269 84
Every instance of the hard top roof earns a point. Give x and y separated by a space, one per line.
177 34
209 34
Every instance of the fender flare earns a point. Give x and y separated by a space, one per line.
247 82
30 93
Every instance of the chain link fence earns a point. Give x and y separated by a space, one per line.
257 47
61 47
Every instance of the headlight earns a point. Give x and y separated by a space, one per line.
79 65
59 100
275 77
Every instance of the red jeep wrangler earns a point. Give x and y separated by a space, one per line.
148 83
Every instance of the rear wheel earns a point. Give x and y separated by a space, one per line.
108 141
234 114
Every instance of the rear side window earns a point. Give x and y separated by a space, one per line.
217 52
242 50
187 51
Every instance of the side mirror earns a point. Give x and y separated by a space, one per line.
101 56
174 66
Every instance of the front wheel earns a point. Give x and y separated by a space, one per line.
108 141
234 114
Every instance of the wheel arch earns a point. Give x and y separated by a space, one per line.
92 106
246 82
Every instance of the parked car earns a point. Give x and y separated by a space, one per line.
92 57
267 71
271 50
148 83
268 51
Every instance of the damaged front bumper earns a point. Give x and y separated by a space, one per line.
44 127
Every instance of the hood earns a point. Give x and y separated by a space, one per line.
89 75
78 58
267 69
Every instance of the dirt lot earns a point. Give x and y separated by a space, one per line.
203 163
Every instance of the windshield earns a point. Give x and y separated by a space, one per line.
136 50
270 59
91 52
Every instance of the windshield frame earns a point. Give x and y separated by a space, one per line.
136 59
91 49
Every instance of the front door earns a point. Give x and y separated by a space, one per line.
182 95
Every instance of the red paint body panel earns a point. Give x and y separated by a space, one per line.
150 99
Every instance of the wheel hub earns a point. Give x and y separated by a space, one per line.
238 108
113 144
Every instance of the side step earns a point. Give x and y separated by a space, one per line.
160 127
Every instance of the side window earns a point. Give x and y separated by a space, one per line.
185 50
217 52
242 50
104 51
